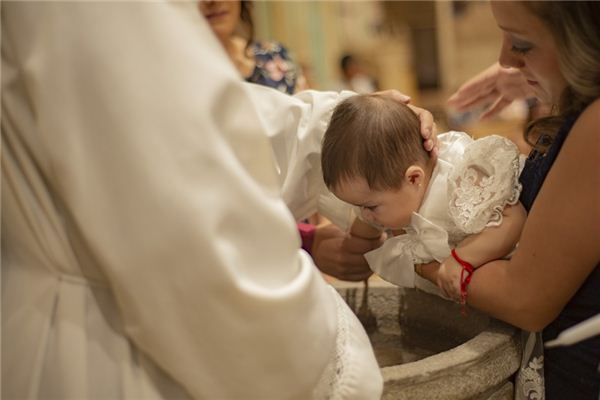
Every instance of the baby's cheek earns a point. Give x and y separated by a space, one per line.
367 215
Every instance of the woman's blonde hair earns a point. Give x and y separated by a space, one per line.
575 28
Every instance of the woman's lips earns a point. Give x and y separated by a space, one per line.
215 15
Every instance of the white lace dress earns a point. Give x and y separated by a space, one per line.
471 184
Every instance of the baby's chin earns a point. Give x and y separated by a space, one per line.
391 227
384 227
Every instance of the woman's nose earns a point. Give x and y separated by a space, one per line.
509 58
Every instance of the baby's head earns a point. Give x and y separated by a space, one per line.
373 157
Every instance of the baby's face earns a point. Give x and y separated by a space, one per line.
390 208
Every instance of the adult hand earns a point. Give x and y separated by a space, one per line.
340 255
448 278
496 86
428 128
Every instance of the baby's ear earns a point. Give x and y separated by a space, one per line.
415 175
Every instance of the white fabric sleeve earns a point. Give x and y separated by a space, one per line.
394 262
157 151
483 182
452 145
295 127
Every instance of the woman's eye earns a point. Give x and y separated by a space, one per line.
520 47
520 50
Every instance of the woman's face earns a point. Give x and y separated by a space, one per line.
223 16
529 46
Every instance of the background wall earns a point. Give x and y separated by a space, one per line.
423 48
446 40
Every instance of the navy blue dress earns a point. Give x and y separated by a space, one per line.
570 372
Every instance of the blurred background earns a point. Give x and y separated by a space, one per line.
425 49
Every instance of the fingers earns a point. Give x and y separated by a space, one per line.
495 108
497 85
431 144
345 266
355 263
448 279
452 291
353 267
426 118
449 290
428 144
341 255
356 277
427 124
395 95
346 275
356 245
467 96
513 85
482 83
481 99
428 129
470 92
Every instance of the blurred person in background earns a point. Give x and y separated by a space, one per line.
265 62
355 77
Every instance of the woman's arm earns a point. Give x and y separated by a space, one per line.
559 244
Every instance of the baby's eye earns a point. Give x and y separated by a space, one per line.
370 208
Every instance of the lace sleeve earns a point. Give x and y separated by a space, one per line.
483 182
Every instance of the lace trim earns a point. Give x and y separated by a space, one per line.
484 182
332 378
529 384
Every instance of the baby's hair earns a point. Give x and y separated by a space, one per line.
372 137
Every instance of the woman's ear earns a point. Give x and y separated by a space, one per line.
415 175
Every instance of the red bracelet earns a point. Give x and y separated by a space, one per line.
464 279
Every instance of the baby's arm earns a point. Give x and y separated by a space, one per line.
492 243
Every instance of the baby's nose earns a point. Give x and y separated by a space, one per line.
366 214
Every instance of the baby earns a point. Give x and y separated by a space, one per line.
460 209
